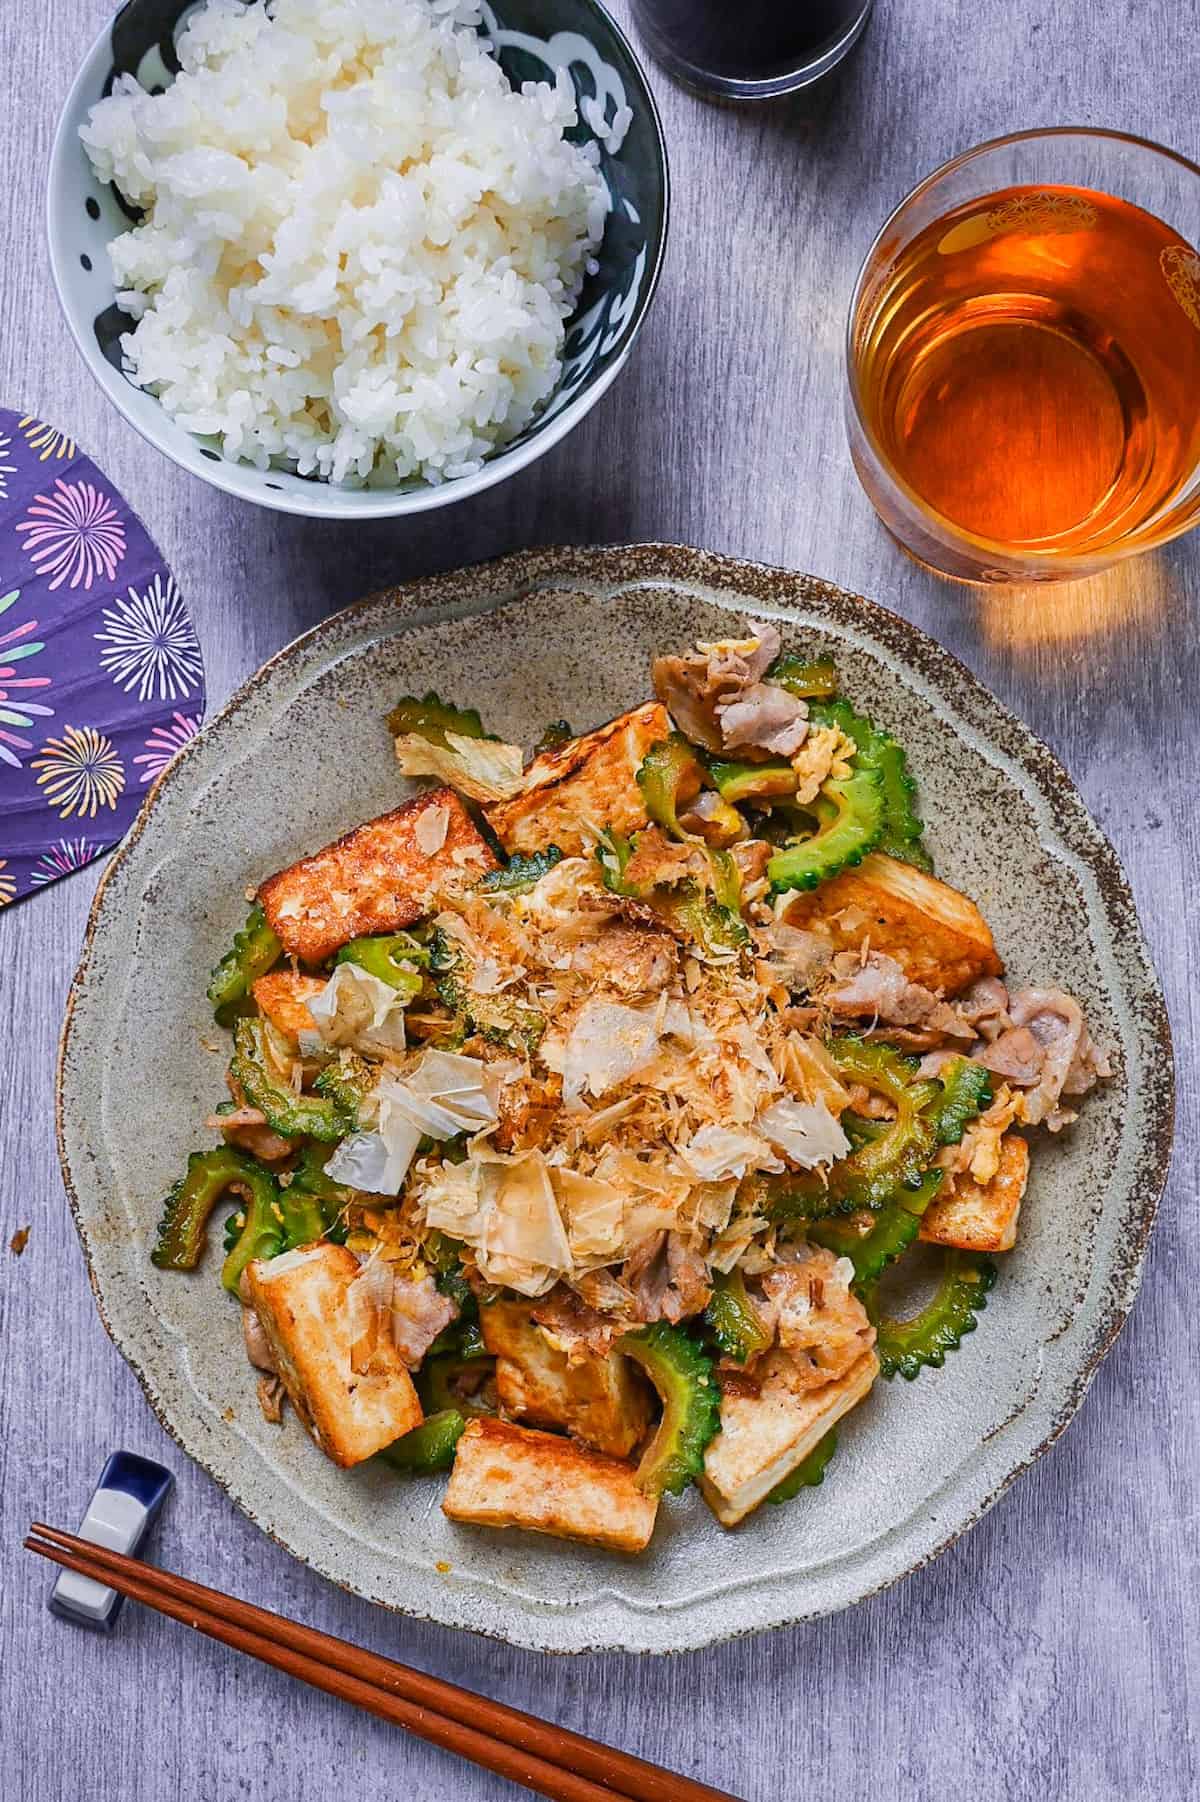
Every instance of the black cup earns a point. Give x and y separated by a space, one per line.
750 49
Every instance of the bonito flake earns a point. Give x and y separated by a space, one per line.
806 1132
608 1044
356 1009
594 1211
443 1095
671 1095
482 768
505 1209
720 1151
611 1042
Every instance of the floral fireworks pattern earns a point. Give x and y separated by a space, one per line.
15 708
150 644
67 855
80 772
163 743
6 468
74 535
93 630
45 440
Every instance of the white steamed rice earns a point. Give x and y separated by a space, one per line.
360 244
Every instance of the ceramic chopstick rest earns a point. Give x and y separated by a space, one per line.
124 1506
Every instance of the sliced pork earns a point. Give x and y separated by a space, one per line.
878 988
717 697
246 1127
258 1349
1015 1055
667 1278
1049 1041
579 1329
419 1313
764 718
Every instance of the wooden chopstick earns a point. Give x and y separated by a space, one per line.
537 1774
553 1761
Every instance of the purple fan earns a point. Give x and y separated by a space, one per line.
101 677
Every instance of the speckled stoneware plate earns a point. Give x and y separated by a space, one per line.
301 754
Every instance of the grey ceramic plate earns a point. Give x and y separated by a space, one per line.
300 754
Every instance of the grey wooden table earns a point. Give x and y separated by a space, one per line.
1054 1651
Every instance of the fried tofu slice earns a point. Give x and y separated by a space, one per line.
769 1428
301 1302
982 1216
574 791
509 1476
937 935
378 878
600 1400
282 995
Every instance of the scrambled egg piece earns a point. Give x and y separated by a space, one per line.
826 752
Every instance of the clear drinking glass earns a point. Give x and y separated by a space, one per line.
1023 357
756 50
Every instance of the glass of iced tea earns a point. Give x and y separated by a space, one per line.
1023 353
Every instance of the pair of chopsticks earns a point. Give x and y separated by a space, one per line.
551 1761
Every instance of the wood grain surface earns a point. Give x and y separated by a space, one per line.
1053 1652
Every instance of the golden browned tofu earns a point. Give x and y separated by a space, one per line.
937 936
301 1302
282 996
764 1435
508 1476
600 1400
379 878
982 1216
578 789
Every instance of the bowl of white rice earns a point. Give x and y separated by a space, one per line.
357 258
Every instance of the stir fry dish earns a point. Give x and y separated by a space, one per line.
584 1108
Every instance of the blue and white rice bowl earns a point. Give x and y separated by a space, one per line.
227 436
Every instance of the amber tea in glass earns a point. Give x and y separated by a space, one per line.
1025 363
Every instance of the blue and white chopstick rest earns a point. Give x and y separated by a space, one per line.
126 1503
